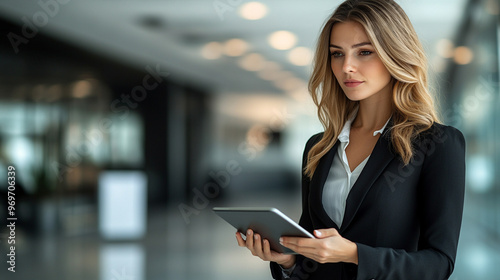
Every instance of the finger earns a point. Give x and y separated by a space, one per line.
267 249
323 233
308 252
249 242
297 242
298 248
257 245
240 240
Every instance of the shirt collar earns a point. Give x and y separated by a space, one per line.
346 130
380 131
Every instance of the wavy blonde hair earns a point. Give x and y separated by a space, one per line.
396 43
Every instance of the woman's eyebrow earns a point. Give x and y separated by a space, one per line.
353 46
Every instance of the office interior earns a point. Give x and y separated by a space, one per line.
125 122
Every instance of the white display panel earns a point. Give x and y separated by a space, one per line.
122 204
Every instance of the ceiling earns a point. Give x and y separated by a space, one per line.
169 35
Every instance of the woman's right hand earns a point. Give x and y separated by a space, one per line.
262 249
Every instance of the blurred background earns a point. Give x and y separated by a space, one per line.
127 121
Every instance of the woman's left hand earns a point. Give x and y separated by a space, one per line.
329 247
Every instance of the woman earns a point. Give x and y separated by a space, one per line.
383 186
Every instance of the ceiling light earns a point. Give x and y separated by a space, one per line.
235 47
271 71
282 40
300 94
252 62
272 66
290 84
438 64
270 75
253 11
463 55
445 48
212 50
82 89
300 56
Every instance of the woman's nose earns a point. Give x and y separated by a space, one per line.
349 65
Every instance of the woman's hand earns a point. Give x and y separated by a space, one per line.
262 249
329 247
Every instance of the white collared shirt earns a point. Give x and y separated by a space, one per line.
340 178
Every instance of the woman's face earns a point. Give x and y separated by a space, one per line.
356 65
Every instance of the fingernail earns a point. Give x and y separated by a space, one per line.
318 233
281 240
249 232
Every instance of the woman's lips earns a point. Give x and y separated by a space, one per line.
352 83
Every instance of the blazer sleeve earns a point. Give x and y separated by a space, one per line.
441 197
305 220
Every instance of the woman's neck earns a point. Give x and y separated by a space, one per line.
373 113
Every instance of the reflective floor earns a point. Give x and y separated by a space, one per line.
204 248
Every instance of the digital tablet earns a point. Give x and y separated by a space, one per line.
270 223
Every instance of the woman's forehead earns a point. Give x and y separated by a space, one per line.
348 33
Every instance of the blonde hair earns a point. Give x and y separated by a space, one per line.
396 43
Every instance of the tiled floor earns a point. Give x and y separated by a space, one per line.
203 249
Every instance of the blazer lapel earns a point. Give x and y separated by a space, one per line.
318 183
378 161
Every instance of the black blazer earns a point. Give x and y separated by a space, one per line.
405 220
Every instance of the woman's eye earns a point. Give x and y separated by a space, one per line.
363 53
336 54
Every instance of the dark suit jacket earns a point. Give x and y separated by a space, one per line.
405 220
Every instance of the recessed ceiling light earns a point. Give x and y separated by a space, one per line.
300 56
270 71
253 11
290 84
82 89
274 75
252 62
235 47
445 48
438 64
282 40
212 50
463 55
272 66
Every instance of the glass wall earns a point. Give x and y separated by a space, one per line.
473 105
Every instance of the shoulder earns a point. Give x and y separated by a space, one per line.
441 140
440 133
